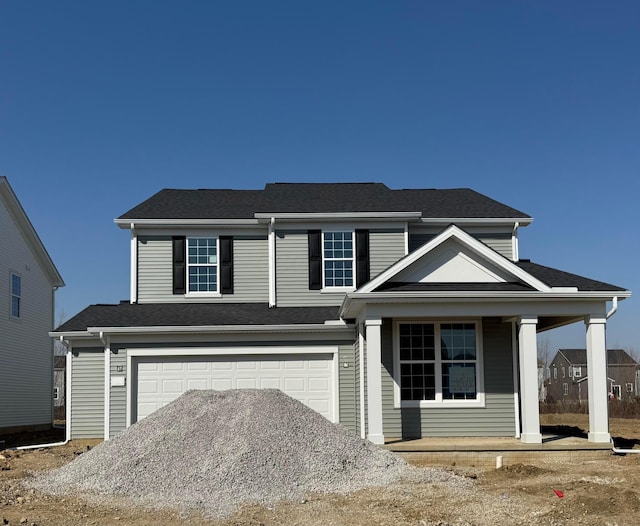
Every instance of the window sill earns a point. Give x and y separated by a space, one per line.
336 290
445 404
192 295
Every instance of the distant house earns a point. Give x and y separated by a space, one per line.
28 279
59 377
569 377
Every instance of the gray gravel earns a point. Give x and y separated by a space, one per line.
211 451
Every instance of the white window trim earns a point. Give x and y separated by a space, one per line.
208 293
629 387
565 389
577 371
12 295
326 288
439 401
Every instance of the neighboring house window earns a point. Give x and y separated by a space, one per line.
16 295
565 389
338 258
564 372
555 373
577 372
629 387
56 393
202 264
437 362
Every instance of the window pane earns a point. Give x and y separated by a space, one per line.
458 381
16 285
15 306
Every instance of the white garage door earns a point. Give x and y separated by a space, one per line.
308 378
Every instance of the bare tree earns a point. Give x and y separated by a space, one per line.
545 353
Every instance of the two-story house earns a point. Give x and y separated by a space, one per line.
569 375
397 313
28 280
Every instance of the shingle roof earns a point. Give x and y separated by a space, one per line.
559 278
194 315
614 356
318 198
391 286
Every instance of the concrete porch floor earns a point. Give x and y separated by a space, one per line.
484 451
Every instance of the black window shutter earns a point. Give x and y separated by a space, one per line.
315 259
226 264
179 265
362 257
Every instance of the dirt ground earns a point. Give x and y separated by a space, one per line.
603 492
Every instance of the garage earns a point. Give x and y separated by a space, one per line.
309 378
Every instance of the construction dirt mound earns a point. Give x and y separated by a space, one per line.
212 451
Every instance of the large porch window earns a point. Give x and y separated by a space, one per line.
437 363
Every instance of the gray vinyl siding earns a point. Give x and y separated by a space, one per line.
250 269
26 350
292 265
118 395
292 273
87 393
497 418
385 248
498 241
347 388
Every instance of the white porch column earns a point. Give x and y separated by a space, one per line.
374 380
597 382
528 354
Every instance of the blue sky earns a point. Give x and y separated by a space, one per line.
535 104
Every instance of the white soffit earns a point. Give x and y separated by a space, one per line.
451 263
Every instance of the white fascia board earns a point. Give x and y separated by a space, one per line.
444 221
181 329
465 239
71 334
384 297
194 223
339 216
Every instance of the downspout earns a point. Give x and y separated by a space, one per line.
514 242
133 293
107 384
617 450
272 263
67 404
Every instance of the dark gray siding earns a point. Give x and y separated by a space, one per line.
87 393
498 241
118 394
347 391
250 268
497 418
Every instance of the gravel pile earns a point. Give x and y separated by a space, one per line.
212 451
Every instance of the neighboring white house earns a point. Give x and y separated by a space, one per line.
397 313
28 279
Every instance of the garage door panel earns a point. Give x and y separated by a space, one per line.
308 378
270 383
221 384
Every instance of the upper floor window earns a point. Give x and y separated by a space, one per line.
16 295
202 264
438 363
338 258
577 371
